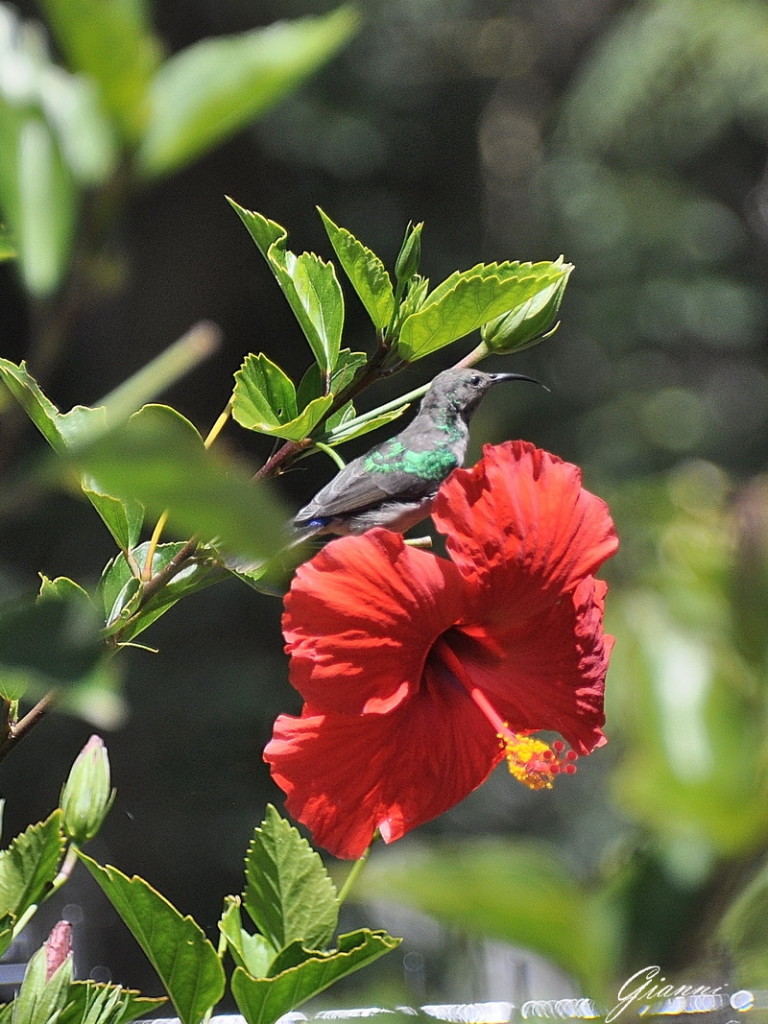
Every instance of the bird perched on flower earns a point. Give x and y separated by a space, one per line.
394 484
420 674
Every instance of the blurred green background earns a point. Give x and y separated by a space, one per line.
632 138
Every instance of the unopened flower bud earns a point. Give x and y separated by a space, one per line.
58 948
87 795
409 257
528 323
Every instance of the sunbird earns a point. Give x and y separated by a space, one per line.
394 484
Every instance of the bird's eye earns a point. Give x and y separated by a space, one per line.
476 380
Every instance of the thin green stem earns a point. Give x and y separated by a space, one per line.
66 869
24 920
354 873
65 873
198 344
220 423
154 540
366 417
154 582
332 454
471 359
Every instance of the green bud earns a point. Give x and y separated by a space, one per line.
87 795
531 321
409 257
414 299
416 292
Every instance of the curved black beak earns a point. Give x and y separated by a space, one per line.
498 377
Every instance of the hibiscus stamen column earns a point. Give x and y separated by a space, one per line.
531 761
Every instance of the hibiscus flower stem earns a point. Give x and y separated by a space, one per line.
354 872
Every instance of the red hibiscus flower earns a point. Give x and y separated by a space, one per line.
420 674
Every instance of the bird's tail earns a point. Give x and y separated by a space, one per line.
272 573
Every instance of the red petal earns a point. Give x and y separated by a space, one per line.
521 523
361 617
347 775
547 674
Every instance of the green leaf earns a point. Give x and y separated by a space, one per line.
29 865
544 907
63 588
158 458
367 274
102 1006
123 519
308 283
215 87
113 44
318 305
263 231
68 430
288 894
263 394
56 634
13 684
82 425
312 383
95 697
88 1001
54 138
176 946
38 196
61 430
92 1003
251 952
41 1001
265 400
120 590
468 299
6 938
304 974
348 428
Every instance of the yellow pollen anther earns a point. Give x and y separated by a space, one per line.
533 762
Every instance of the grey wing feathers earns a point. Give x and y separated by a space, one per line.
345 493
355 489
